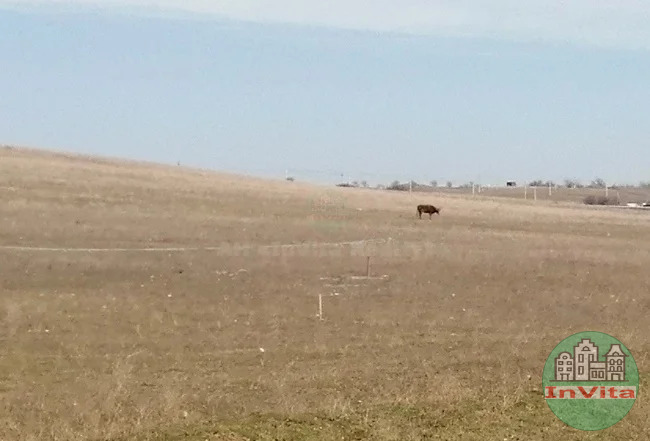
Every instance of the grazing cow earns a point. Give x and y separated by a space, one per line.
429 209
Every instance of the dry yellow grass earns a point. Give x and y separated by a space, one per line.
166 345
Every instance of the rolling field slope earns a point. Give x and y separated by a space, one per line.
148 302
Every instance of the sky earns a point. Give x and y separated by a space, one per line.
463 90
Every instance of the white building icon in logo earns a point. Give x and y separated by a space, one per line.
584 365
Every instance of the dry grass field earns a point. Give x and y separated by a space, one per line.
120 343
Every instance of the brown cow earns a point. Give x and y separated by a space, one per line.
429 209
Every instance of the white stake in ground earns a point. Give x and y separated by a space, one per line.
320 306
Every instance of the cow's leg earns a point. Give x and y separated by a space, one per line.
430 214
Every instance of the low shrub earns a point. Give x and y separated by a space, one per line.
599 200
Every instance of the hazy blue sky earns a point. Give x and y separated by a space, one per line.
460 90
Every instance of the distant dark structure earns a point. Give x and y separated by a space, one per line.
429 209
511 184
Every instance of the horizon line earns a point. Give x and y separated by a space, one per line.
274 175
